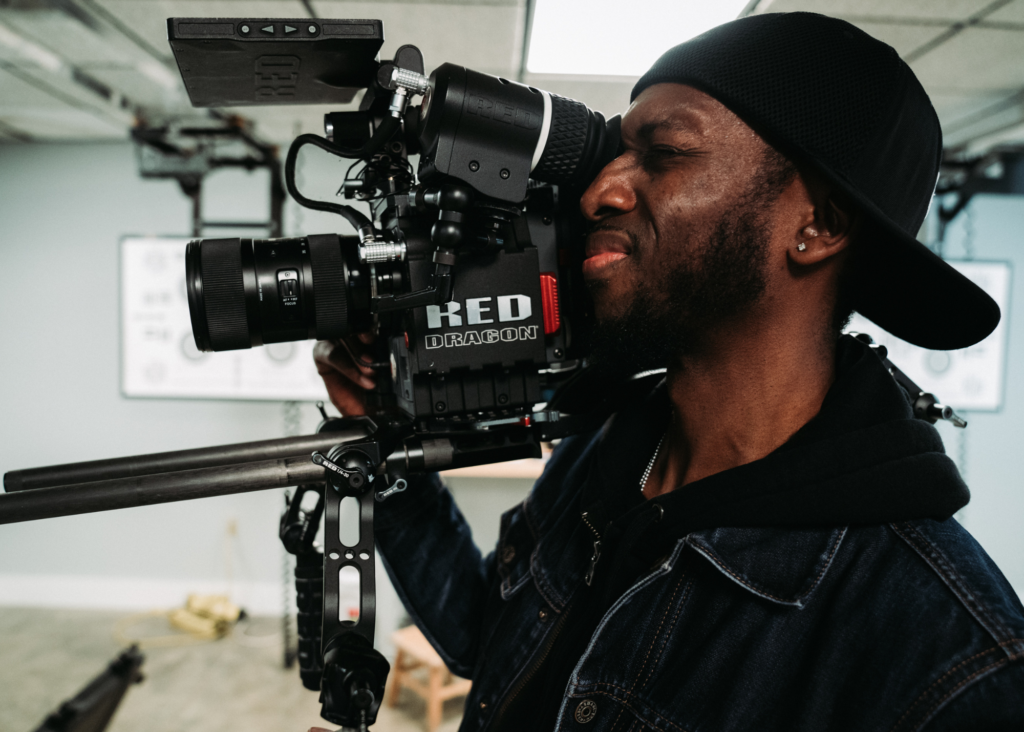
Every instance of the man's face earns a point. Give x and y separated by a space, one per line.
680 232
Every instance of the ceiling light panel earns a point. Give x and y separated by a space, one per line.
615 38
485 38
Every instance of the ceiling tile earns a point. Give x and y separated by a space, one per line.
984 122
148 18
27 108
67 36
484 38
976 59
951 10
68 92
140 88
17 94
67 124
955 106
904 38
1012 13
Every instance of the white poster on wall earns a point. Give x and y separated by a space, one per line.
970 379
159 357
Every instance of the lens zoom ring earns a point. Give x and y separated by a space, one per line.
566 140
331 302
224 294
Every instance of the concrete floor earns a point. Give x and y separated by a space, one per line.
236 684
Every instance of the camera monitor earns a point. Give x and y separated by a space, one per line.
232 62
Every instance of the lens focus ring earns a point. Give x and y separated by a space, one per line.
329 286
566 141
224 294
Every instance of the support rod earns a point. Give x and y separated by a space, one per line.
146 490
163 462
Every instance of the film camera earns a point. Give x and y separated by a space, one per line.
468 271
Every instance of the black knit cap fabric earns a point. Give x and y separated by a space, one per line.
826 93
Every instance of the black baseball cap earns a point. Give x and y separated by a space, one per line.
830 95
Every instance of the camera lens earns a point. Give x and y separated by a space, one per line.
247 292
579 144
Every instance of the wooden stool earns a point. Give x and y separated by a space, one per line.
414 651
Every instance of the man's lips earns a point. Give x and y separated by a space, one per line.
604 248
592 266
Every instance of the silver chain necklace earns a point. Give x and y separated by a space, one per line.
650 465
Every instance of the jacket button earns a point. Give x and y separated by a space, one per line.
586 711
483 706
508 554
543 615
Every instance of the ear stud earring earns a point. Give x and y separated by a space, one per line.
801 247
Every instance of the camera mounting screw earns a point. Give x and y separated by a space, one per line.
504 174
474 166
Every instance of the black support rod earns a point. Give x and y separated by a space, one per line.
163 462
146 490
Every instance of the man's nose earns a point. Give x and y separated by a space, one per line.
610 193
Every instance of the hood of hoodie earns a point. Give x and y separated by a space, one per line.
864 459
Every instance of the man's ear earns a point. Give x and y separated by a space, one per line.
834 223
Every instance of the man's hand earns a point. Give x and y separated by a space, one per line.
342 365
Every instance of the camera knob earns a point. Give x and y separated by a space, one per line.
415 83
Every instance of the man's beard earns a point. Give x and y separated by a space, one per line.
671 319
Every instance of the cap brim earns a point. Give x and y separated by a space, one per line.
910 291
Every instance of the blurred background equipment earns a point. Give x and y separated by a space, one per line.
94 706
187 150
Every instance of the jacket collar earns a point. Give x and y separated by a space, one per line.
783 566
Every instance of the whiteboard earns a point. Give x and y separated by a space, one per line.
969 379
159 357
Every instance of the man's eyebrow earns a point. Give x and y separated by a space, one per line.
646 131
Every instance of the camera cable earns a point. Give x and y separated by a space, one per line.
358 220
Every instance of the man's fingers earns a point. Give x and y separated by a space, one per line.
344 395
330 357
348 352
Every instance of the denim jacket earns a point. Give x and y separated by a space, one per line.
898 625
